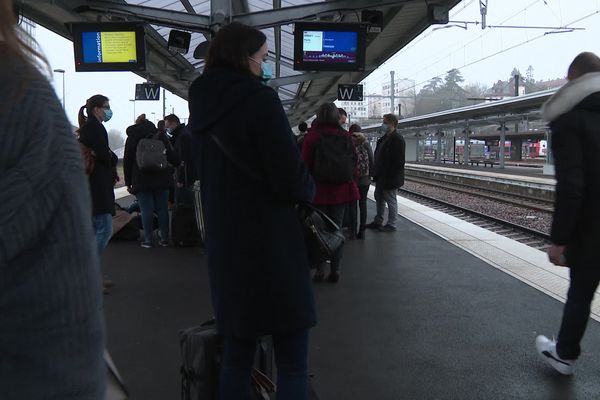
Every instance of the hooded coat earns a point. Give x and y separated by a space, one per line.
365 155
145 181
574 116
257 258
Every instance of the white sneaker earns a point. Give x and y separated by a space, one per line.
547 350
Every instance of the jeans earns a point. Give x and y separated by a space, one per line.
383 197
576 314
103 228
291 358
336 213
150 201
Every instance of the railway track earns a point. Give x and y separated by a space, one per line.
496 195
531 237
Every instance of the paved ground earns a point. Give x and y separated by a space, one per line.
413 317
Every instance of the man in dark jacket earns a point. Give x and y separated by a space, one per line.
182 144
388 173
574 116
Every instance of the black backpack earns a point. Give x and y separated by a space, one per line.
335 159
151 154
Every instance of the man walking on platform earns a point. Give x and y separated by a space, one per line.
574 116
388 173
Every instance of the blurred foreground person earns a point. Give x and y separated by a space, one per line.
51 333
574 116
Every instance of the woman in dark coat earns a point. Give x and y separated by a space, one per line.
331 198
250 185
150 187
103 177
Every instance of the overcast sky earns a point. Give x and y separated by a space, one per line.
483 56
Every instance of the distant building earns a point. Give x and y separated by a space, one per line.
404 103
375 106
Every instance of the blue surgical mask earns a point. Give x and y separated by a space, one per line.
383 128
267 72
168 130
107 115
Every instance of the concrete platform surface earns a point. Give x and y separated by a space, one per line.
413 317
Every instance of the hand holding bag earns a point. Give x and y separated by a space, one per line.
322 235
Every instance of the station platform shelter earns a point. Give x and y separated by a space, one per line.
440 309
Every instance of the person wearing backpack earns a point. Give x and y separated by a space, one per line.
148 168
364 166
388 173
330 155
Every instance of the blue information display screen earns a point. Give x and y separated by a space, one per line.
330 47
109 47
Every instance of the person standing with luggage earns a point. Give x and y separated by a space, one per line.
574 116
330 155
363 181
51 320
251 179
150 183
388 173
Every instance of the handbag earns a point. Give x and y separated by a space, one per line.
322 235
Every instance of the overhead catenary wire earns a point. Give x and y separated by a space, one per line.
500 51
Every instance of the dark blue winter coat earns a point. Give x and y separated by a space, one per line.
258 267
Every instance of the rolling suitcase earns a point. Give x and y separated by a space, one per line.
201 350
184 229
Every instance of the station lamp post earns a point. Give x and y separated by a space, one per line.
133 100
62 71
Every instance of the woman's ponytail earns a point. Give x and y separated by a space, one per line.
81 118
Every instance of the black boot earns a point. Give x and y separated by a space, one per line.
361 233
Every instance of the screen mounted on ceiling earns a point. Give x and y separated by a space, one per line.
109 46
329 46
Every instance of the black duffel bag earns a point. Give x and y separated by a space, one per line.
322 235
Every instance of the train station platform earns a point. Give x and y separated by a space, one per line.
439 309
511 168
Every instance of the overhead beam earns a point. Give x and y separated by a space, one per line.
160 16
286 15
290 80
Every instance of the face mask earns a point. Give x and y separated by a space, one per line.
267 72
168 130
345 126
107 115
383 128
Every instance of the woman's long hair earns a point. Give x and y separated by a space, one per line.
14 46
97 100
232 46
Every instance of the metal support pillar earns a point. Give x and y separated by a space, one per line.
438 155
549 164
466 147
501 143
392 93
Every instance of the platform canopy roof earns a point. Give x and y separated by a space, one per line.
301 92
